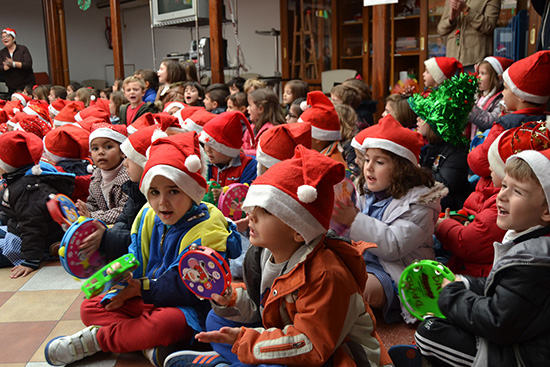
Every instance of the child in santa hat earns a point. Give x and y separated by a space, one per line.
106 198
156 312
303 287
437 70
398 208
30 228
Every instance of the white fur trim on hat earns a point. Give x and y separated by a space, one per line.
497 67
77 117
355 144
495 161
185 182
157 134
540 166
52 110
390 146
223 149
171 105
435 71
30 111
6 167
105 132
61 123
132 154
286 208
20 97
325 135
10 32
265 160
521 94
193 163
190 125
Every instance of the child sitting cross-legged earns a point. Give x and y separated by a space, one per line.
156 312
503 319
303 302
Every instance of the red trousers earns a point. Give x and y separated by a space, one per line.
135 325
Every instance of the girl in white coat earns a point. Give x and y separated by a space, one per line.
398 208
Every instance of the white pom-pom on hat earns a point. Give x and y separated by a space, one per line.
304 106
157 134
307 194
193 163
90 168
36 170
93 97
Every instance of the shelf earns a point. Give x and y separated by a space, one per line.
407 53
353 22
406 17
351 57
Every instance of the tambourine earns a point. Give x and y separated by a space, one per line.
76 262
420 285
344 192
62 209
231 201
460 216
204 271
209 196
109 275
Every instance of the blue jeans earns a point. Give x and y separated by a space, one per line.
215 322
4 262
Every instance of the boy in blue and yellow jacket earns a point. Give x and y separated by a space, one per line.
155 311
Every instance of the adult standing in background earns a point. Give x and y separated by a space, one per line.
543 8
16 62
468 27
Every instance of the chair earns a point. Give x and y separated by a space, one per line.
334 77
95 83
41 78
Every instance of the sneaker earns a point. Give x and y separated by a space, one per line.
68 349
405 355
189 358
158 354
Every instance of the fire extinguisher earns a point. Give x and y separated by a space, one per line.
108 33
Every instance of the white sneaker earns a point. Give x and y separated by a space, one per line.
68 349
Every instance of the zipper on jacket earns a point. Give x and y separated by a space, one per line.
161 250
283 347
517 353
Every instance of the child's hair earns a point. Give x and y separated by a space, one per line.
402 110
298 102
405 175
255 83
347 94
107 92
189 71
71 96
118 84
237 82
133 79
75 86
239 99
348 121
28 90
272 111
218 93
361 86
432 137
149 75
173 71
84 94
59 91
521 171
41 92
197 86
118 99
494 81
298 88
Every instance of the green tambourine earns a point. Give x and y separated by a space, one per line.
109 275
420 285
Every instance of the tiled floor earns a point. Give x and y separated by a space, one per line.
46 304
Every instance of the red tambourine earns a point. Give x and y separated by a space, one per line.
231 201
204 271
63 210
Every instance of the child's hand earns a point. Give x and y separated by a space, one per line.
242 224
20 270
344 213
224 299
91 243
216 193
82 209
440 220
133 289
226 335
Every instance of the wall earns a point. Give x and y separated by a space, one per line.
87 47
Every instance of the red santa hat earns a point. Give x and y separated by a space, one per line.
278 143
67 113
56 106
443 68
529 136
528 78
18 149
390 135
499 64
320 113
102 104
21 97
117 133
136 146
177 158
224 133
147 119
10 31
12 107
33 124
196 120
3 117
299 191
95 111
186 112
170 105
38 108
67 142
539 161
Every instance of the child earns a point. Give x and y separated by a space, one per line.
439 69
502 320
348 130
30 228
325 125
151 80
264 112
55 107
236 85
344 94
68 113
221 138
170 82
293 90
194 94
73 87
105 93
172 107
398 209
116 99
134 89
156 310
189 71
487 108
238 102
397 105
442 118
106 198
367 106
524 96
303 303
214 98
57 92
252 84
84 95
117 85
41 93
294 111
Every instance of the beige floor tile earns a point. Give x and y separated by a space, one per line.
19 340
62 328
12 364
37 305
11 285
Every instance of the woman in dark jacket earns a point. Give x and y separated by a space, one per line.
16 62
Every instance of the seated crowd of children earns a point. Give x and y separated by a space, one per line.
151 160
